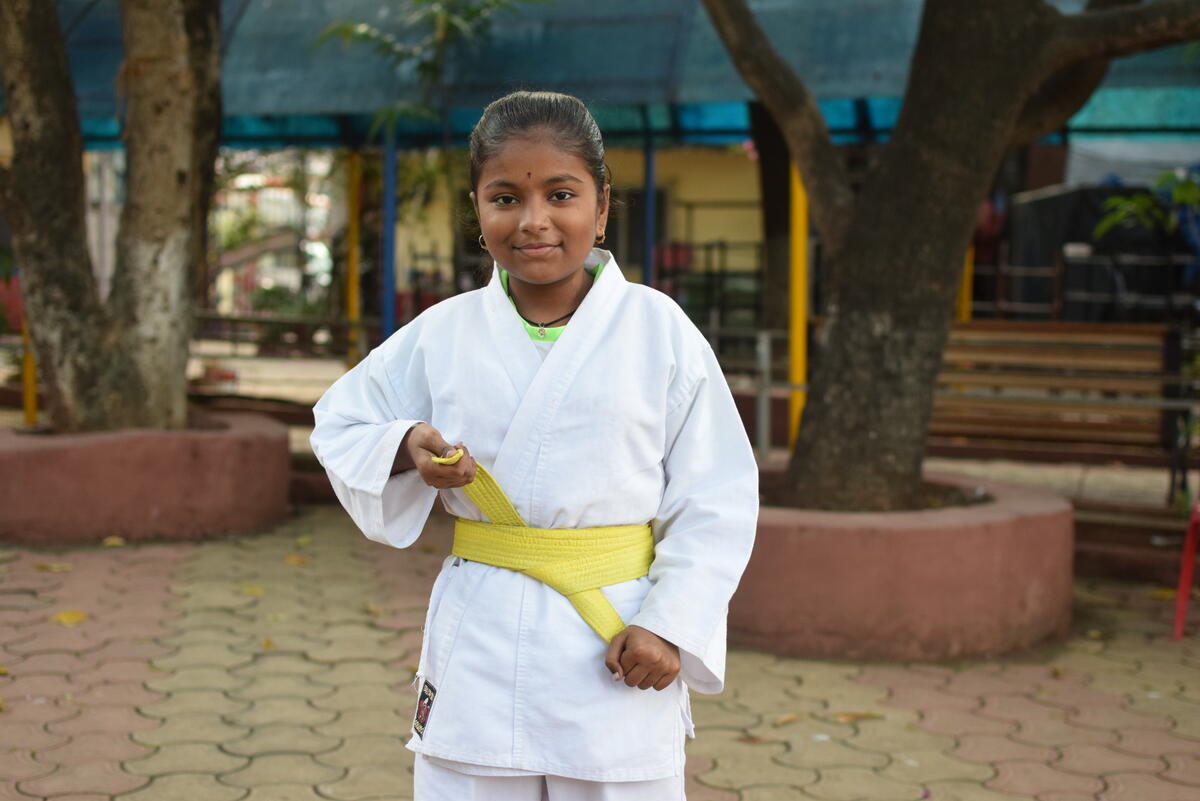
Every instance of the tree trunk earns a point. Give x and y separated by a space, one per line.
203 25
892 281
157 242
83 352
118 363
775 181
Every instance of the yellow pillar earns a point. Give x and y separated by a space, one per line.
353 311
28 377
967 288
798 326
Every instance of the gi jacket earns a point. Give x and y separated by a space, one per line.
627 420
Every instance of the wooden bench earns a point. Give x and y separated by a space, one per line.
1064 392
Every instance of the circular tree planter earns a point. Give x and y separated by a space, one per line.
927 585
144 484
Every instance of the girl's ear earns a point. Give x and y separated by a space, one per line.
602 212
475 203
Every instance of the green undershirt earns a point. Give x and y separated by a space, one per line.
552 334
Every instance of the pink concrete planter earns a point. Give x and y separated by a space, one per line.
143 484
930 585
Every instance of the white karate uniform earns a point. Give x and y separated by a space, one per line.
626 420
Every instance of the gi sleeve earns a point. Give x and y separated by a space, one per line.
704 528
360 422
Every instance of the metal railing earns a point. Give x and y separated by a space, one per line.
761 369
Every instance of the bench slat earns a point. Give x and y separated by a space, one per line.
1062 431
1033 407
1010 379
1061 357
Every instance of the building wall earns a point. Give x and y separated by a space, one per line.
699 175
425 241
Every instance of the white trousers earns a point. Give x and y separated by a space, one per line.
433 782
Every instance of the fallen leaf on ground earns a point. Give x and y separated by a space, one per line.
268 644
296 560
753 739
112 542
373 608
1162 593
70 618
854 717
253 590
302 541
2 709
1094 634
53 567
3 670
783 720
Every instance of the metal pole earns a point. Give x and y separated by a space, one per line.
28 377
353 185
388 263
648 225
762 422
966 288
798 327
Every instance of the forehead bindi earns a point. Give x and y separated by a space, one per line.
532 162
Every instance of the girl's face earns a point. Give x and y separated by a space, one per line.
538 208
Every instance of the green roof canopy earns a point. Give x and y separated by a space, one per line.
619 56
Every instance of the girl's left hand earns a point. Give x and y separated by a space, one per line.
643 659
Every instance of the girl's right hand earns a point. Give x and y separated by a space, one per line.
424 442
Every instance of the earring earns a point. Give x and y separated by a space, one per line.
600 239
482 244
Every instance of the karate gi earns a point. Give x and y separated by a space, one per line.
627 419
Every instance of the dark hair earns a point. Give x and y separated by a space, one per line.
565 118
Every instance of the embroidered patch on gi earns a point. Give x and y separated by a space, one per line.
424 707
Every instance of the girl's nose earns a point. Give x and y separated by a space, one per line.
535 217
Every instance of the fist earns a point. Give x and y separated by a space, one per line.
642 659
424 442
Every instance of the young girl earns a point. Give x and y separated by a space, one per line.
564 632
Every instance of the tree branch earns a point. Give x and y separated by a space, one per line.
1065 92
1122 32
795 111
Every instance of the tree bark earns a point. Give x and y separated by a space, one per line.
156 242
118 363
775 180
203 24
82 348
1064 92
893 263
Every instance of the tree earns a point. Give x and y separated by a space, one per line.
983 77
120 361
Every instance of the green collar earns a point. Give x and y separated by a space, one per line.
552 334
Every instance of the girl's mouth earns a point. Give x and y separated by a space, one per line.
536 251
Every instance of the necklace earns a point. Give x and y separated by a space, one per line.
541 327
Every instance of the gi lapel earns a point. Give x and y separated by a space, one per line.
507 336
515 458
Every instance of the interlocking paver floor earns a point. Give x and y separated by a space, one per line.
277 667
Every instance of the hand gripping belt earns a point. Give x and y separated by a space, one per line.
575 561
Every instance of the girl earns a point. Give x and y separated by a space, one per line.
602 415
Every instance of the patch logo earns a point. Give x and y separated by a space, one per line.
424 707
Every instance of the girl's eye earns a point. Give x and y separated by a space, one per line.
503 200
562 194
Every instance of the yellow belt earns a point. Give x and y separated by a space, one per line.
575 561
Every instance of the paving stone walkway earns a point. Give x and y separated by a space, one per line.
277 668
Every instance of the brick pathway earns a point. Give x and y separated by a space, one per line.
277 668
